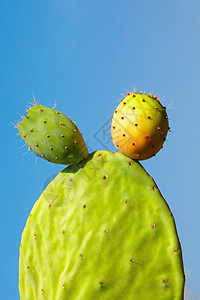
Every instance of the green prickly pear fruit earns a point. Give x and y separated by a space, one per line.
52 136
139 126
101 230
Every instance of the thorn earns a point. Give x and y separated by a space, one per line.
42 155
57 112
128 93
29 148
18 133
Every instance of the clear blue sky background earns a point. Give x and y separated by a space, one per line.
83 55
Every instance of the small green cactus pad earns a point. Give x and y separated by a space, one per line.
101 230
52 136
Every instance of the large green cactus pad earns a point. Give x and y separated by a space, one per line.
101 230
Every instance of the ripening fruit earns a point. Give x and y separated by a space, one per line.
139 126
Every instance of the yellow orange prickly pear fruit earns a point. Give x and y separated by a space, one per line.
139 126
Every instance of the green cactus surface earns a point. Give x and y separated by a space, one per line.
52 136
101 230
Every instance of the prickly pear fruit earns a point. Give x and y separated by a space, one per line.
52 136
101 230
139 126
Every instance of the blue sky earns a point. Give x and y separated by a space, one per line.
83 55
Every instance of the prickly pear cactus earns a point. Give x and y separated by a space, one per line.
52 136
101 230
139 126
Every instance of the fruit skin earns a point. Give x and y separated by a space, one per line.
101 230
139 126
52 136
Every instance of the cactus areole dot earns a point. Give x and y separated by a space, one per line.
142 123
